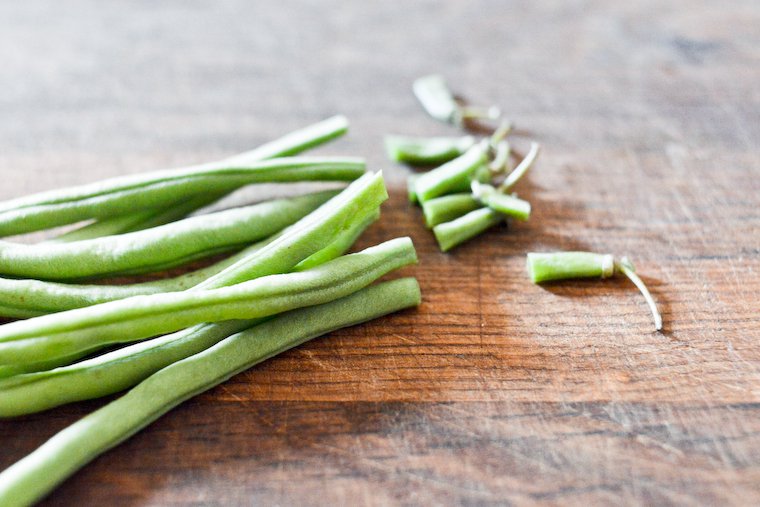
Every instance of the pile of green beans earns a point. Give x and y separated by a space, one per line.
469 192
35 476
290 281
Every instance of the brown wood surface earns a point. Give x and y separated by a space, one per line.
495 390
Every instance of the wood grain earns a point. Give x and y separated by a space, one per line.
494 391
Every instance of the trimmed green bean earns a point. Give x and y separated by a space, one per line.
52 340
426 150
340 245
411 191
544 267
287 145
157 248
456 232
509 205
162 188
447 208
453 176
36 475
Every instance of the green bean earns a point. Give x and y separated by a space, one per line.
125 367
309 235
163 188
447 208
339 246
287 145
52 340
31 478
544 267
455 232
137 221
426 150
157 248
509 205
453 176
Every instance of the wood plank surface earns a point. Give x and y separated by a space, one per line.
495 391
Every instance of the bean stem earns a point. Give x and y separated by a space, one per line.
509 205
512 178
31 478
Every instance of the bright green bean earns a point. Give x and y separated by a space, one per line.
340 245
545 267
453 176
162 188
287 145
157 248
426 150
447 208
33 477
455 232
509 205
51 340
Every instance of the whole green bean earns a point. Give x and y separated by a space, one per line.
52 340
448 207
33 477
287 145
453 176
163 188
457 231
426 150
157 248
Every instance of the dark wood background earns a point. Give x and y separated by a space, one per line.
495 390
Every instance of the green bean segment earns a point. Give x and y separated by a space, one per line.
545 267
162 189
36 343
456 232
287 145
33 477
453 176
447 208
157 248
426 150
436 98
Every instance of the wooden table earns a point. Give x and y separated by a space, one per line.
494 390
